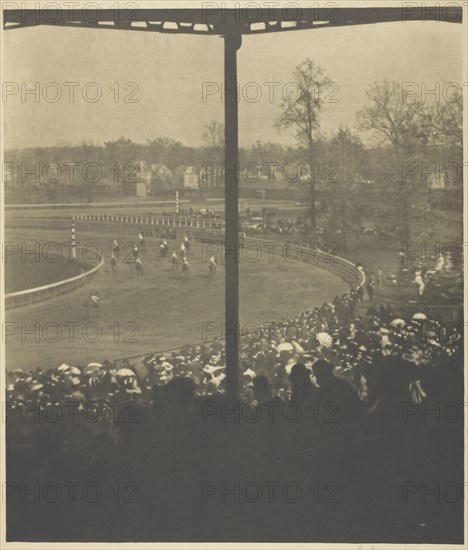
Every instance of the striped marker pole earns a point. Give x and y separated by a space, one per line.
177 201
73 241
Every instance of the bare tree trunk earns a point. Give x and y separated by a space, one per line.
313 219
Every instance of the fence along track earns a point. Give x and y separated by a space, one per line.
45 292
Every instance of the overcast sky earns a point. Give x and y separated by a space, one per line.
171 72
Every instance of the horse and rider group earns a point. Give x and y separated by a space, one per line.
133 257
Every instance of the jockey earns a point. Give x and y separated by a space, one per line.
95 298
212 265
139 267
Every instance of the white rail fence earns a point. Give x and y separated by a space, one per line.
42 293
194 223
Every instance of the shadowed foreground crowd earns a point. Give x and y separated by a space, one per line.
364 404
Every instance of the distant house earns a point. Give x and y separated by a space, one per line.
141 189
191 178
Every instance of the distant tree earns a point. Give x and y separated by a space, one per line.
397 120
161 178
444 122
213 135
400 123
301 112
346 155
120 157
170 152
261 159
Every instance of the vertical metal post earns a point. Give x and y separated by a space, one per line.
232 42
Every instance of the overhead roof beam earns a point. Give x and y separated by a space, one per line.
218 21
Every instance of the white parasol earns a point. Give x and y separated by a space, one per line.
419 317
325 339
125 372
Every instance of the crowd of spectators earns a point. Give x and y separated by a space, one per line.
358 349
317 395
289 226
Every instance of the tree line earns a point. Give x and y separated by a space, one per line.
412 144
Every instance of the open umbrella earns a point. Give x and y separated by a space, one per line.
125 372
419 317
74 370
63 367
398 323
92 368
325 339
249 372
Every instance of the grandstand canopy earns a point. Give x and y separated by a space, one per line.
217 21
231 24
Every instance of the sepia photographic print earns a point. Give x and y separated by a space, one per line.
232 274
